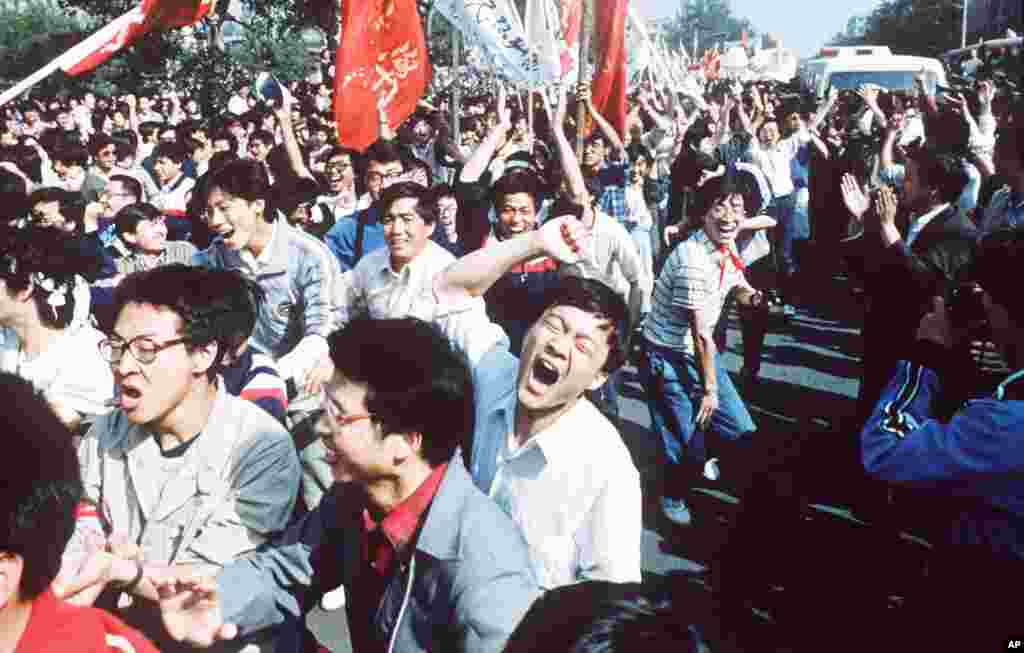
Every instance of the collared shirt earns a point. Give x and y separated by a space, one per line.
1005 209
918 225
572 489
300 279
776 163
614 178
374 286
696 277
612 258
399 526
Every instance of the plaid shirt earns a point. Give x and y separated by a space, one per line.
613 178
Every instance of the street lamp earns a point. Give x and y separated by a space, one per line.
963 29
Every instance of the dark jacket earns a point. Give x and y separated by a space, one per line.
900 282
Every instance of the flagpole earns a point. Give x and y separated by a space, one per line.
581 106
77 51
456 104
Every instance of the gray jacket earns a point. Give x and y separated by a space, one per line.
465 588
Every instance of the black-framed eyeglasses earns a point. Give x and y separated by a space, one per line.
144 349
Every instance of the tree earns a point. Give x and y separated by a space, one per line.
202 61
920 27
711 21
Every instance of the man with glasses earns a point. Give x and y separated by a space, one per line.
350 240
391 282
404 548
189 475
341 199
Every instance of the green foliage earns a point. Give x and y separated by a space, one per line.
197 61
711 20
919 27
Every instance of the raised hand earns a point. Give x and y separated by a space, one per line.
564 238
856 201
191 611
886 206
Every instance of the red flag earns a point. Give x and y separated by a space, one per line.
382 55
147 16
609 88
570 12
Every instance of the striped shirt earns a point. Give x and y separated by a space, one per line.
693 279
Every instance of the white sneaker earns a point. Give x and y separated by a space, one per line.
711 471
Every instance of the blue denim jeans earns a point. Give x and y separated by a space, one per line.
674 390
783 209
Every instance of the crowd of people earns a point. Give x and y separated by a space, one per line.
265 392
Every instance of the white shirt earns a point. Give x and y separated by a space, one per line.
776 162
611 258
374 286
917 226
574 492
70 372
174 196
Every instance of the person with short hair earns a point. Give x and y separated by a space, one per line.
689 393
38 504
351 240
175 187
540 449
295 270
424 560
141 242
602 617
220 474
40 340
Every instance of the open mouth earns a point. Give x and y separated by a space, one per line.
128 398
544 372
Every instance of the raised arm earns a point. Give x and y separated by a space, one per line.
618 148
470 276
566 156
283 114
484 152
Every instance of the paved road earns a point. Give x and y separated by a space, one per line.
808 379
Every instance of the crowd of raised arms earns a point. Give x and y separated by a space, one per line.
264 392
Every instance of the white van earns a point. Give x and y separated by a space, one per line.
849 68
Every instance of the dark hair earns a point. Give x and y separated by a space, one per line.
42 485
71 154
998 252
425 208
98 142
127 143
205 300
940 171
128 218
245 298
242 178
383 152
224 135
173 150
13 196
637 151
713 192
148 129
514 182
72 205
263 136
417 381
601 301
51 254
131 184
603 617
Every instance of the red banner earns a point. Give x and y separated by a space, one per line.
382 58
609 87
570 12
149 15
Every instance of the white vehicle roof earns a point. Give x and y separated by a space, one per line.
895 72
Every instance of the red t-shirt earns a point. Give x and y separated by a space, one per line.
58 627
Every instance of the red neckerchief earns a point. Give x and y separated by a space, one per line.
386 539
727 253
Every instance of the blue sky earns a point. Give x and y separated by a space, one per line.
803 25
